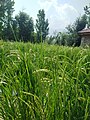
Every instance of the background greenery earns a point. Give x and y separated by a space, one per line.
22 27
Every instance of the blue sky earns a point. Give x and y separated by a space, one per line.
60 13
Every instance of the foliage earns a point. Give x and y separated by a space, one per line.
63 38
21 28
43 82
87 11
81 23
6 11
70 37
78 25
25 26
42 28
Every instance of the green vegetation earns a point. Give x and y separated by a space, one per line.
41 26
42 82
22 27
71 37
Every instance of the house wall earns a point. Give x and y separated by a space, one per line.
85 41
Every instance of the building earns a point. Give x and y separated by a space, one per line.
85 37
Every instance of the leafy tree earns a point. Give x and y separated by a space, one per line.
72 30
15 31
6 11
2 15
25 27
87 12
42 28
58 38
80 23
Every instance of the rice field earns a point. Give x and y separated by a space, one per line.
44 82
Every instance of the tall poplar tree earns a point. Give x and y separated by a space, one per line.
42 26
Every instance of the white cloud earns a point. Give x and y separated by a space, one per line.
65 10
59 15
46 4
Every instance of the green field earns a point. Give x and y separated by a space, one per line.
44 82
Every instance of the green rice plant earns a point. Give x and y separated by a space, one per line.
44 82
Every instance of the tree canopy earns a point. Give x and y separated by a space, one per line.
25 26
87 11
6 12
42 25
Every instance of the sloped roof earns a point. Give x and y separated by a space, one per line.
85 32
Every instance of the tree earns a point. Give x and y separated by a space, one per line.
87 12
2 13
42 28
78 25
15 31
25 27
6 11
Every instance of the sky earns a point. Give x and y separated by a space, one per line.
60 13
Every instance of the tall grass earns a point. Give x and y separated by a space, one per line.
42 82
